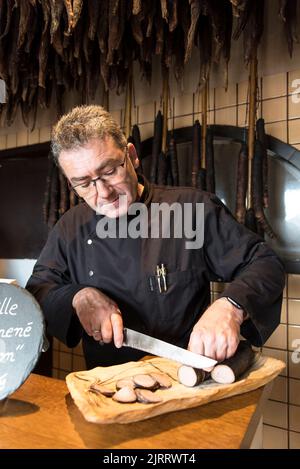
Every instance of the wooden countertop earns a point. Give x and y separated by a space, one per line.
42 414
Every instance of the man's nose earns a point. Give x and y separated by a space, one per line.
103 189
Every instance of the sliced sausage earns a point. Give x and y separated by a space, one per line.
121 383
147 397
232 368
190 376
162 379
145 381
125 395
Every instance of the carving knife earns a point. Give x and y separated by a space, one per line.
158 347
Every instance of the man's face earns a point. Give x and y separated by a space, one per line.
100 159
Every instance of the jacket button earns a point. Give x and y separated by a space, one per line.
89 241
91 273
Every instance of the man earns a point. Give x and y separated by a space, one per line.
90 286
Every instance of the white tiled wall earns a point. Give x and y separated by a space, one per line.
279 338
274 438
294 391
276 414
294 440
282 414
280 389
294 312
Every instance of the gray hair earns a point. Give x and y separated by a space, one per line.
82 124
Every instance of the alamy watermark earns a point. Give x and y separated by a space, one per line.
295 357
2 91
160 220
296 92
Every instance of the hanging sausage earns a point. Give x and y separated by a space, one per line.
47 196
132 133
173 162
163 166
136 140
262 138
198 173
99 40
156 146
257 190
288 14
241 184
255 218
173 174
210 164
64 200
54 198
250 221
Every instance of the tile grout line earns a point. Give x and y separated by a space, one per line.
261 97
288 356
278 428
287 109
214 106
236 104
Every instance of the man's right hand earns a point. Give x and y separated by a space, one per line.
99 315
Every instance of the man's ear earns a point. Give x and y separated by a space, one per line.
133 155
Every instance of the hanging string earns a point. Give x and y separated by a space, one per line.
135 107
128 106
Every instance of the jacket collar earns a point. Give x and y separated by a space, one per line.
147 194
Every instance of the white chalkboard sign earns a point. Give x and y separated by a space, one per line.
21 336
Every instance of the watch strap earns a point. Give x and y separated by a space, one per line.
238 306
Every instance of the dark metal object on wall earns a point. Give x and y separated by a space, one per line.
23 173
284 182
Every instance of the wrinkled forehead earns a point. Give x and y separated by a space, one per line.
84 160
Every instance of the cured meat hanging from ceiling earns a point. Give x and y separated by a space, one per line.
252 190
48 47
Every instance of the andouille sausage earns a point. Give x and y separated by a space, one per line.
232 368
146 396
121 383
257 190
263 139
189 376
172 153
241 184
225 373
196 152
145 381
210 164
156 146
125 395
162 379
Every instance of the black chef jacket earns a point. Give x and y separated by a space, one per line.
124 269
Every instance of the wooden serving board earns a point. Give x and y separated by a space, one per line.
101 409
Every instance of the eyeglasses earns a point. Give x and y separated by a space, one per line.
114 174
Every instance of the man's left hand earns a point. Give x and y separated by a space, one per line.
217 333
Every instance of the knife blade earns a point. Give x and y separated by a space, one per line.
158 347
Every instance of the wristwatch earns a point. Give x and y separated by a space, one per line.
234 303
